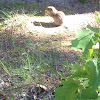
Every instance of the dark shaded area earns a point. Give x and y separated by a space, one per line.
43 24
38 7
8 10
11 51
8 44
73 6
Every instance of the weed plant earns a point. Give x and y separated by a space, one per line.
84 83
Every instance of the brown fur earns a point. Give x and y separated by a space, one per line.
58 16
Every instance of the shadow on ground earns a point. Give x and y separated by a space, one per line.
43 24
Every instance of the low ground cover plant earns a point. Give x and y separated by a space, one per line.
84 83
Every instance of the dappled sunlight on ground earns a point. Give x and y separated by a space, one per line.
47 36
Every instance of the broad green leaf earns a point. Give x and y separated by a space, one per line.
76 67
98 98
93 29
91 71
67 91
87 95
85 83
88 50
83 39
86 38
95 53
78 71
97 79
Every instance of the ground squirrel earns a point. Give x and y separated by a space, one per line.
58 16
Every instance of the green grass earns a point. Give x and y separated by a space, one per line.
8 10
83 1
21 60
25 64
28 63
